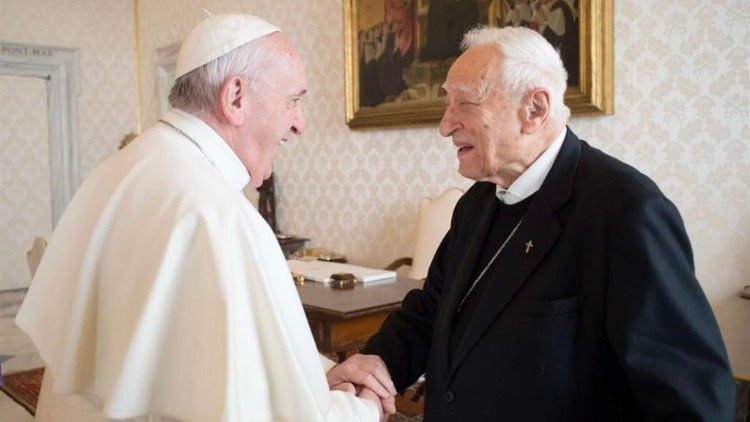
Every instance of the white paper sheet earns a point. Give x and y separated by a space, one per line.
321 271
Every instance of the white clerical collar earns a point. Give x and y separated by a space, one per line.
213 146
531 180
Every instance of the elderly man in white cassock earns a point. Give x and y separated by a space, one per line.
163 294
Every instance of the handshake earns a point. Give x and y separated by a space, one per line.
367 377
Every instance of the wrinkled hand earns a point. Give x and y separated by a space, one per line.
368 394
365 371
345 386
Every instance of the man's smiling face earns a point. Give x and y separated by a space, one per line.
484 125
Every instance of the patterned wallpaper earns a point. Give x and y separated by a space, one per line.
681 117
25 205
102 30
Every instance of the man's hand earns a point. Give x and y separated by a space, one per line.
386 407
368 394
345 386
366 371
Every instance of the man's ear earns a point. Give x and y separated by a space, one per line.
232 101
535 110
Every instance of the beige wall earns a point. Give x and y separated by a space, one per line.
25 202
681 117
102 31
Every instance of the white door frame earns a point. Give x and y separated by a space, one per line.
59 67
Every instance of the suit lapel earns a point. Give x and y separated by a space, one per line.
476 233
510 271
474 248
514 265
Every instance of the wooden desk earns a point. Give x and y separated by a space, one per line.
343 320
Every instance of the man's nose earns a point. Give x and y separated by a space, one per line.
298 124
449 123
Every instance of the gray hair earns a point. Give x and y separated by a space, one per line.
196 91
529 61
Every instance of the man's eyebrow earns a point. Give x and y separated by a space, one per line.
301 93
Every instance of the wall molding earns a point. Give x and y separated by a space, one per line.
60 68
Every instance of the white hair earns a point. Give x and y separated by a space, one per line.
197 90
529 61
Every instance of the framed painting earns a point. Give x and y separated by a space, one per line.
398 52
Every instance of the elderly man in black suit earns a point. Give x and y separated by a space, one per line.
565 287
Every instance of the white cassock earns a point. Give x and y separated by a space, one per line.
163 294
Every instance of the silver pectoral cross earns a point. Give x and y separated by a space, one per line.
529 245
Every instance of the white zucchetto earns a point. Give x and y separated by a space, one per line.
217 36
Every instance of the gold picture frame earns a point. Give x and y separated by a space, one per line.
373 28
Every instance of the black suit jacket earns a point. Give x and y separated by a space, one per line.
602 319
